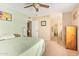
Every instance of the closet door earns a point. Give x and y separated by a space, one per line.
71 37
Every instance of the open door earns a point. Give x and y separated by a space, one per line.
29 28
71 37
32 29
35 29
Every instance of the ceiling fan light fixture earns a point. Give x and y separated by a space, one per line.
36 5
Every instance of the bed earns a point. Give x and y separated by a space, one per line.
22 46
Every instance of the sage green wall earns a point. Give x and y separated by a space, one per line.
16 25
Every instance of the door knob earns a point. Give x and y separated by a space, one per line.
29 30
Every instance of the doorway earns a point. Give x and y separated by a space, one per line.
71 37
29 29
32 29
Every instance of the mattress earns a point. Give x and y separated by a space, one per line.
17 46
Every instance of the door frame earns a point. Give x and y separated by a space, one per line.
30 34
76 37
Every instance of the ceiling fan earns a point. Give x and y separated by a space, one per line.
37 5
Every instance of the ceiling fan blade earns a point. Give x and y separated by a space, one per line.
43 5
28 6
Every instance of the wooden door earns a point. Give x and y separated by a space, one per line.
71 37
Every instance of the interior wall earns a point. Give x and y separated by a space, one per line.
57 19
67 20
16 25
45 32
75 21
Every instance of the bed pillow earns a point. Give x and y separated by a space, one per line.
17 35
7 36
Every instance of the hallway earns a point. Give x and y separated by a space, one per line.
55 49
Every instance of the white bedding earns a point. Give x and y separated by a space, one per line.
24 46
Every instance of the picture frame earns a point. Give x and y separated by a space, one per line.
43 23
5 16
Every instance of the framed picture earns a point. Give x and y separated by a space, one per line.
43 23
5 16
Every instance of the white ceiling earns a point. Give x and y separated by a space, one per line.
64 7
54 7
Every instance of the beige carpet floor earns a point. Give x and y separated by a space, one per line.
54 48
